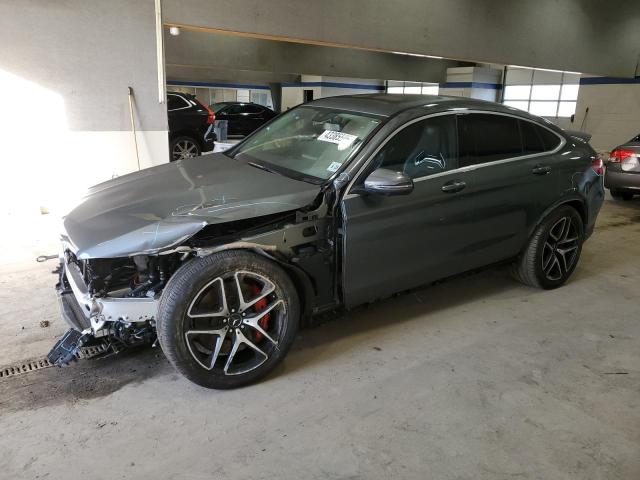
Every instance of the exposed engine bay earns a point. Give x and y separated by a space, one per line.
110 302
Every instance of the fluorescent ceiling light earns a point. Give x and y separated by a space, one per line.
543 69
418 55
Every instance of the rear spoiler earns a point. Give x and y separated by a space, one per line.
581 136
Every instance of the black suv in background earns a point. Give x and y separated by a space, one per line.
243 118
190 126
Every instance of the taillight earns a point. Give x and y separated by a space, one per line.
211 116
598 166
619 155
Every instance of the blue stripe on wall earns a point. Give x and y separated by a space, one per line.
354 86
492 86
178 83
608 81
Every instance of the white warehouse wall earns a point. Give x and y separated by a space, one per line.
614 110
482 83
333 86
66 124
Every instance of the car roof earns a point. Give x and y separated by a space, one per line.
188 95
388 104
237 103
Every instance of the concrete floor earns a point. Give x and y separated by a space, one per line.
475 378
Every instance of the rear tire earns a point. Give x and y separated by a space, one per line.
553 250
217 337
184 147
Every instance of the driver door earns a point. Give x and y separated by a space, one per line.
393 243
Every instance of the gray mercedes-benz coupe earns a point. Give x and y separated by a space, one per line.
337 202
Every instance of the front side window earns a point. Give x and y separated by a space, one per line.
486 138
219 107
421 149
308 142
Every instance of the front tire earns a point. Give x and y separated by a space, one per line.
553 250
228 319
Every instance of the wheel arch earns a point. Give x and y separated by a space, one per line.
301 279
576 202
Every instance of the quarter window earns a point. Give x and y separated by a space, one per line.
532 141
551 140
423 148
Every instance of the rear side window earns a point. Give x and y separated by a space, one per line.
175 102
486 138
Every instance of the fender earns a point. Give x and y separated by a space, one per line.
574 199
301 279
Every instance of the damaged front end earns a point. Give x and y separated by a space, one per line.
123 243
111 304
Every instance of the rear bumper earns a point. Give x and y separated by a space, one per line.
622 180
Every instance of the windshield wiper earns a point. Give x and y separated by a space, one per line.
292 174
262 167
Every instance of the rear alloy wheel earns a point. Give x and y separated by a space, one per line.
183 148
228 319
553 250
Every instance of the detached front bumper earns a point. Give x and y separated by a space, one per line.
83 311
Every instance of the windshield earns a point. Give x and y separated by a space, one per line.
216 107
308 141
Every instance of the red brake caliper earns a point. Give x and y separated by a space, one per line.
259 306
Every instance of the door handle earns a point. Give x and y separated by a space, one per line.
453 186
541 170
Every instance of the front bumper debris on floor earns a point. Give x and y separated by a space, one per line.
65 349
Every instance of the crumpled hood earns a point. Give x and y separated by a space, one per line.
162 206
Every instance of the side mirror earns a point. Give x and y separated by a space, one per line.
388 182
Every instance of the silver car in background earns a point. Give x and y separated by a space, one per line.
622 177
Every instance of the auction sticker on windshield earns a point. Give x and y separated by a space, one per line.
339 138
334 166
